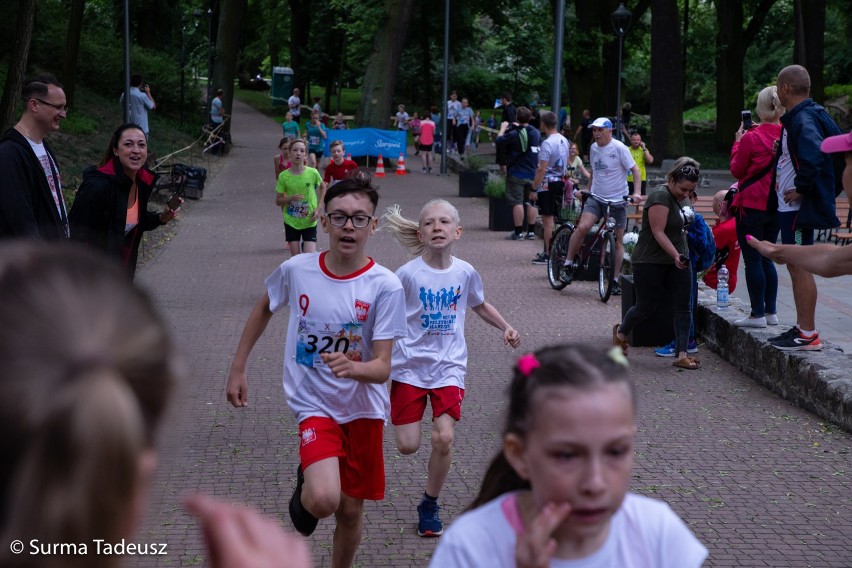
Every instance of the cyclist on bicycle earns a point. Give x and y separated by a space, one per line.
610 162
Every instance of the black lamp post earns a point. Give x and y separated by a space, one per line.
209 58
620 23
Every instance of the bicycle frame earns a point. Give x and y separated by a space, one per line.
604 240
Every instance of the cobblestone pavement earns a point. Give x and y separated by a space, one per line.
761 483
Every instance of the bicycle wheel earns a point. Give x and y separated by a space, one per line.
606 274
558 253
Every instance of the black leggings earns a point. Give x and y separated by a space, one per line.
656 282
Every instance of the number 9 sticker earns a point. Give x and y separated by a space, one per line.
316 338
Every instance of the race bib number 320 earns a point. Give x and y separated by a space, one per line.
316 338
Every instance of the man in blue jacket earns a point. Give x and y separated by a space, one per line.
805 125
31 201
519 143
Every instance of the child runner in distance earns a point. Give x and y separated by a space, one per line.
432 359
557 493
291 127
426 140
316 133
345 311
298 192
282 160
339 167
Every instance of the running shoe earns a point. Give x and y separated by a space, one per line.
669 350
789 334
616 289
430 524
799 342
303 521
513 236
540 258
771 319
531 236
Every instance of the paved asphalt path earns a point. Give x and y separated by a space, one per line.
762 483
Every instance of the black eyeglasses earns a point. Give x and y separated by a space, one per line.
60 108
339 220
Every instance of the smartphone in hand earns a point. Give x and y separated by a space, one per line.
174 202
746 119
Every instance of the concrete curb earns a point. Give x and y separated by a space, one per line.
818 381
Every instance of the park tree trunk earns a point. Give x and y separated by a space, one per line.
17 63
584 68
383 68
666 81
809 48
227 49
72 49
300 28
731 45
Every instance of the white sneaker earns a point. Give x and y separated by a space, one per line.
771 319
751 322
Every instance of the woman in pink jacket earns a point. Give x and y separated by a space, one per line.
752 162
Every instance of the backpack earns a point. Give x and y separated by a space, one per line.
702 245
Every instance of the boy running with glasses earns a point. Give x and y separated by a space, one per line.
345 313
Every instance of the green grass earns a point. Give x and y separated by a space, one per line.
262 102
703 113
699 145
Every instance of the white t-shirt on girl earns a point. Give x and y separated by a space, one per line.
331 313
434 353
644 533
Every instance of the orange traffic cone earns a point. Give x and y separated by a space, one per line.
380 168
400 166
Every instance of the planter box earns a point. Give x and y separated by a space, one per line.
500 215
472 184
656 331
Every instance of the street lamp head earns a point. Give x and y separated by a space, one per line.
621 19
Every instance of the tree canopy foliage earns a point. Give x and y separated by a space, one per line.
495 45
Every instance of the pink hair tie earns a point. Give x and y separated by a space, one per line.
527 364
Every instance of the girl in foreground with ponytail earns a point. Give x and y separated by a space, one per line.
557 493
87 366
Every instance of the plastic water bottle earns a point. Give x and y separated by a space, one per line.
722 299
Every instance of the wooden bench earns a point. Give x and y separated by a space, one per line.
703 205
843 234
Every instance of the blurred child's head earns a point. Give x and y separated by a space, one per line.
336 149
349 219
288 117
438 226
298 150
87 368
283 144
569 435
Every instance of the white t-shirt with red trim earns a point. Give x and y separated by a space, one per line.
334 313
434 353
644 533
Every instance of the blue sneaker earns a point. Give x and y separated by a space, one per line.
669 350
430 525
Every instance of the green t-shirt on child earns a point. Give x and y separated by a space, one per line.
298 213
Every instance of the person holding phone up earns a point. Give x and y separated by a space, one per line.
110 212
752 160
